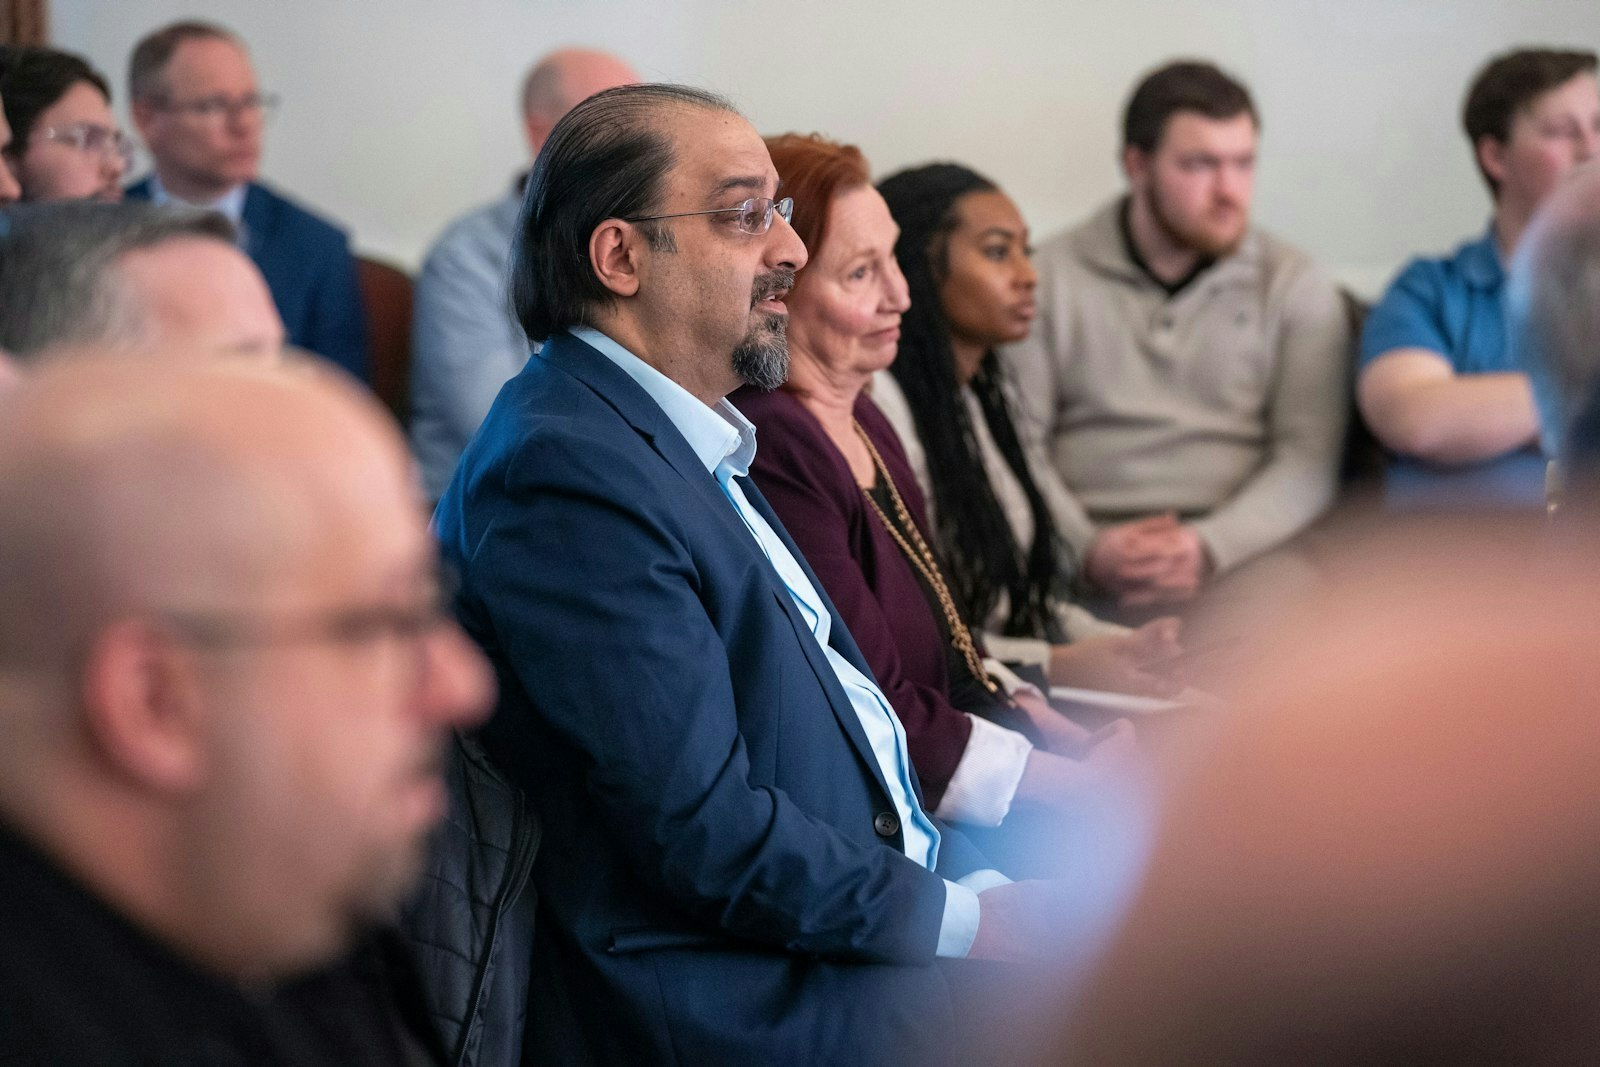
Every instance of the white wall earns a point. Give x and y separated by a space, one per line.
399 114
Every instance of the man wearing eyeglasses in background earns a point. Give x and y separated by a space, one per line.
736 865
197 106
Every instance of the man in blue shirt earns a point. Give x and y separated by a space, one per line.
1439 384
465 343
194 98
737 867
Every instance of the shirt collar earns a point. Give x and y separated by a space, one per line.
720 437
1480 261
230 204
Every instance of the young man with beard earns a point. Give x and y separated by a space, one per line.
736 865
1186 371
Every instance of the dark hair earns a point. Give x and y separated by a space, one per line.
605 159
814 170
981 552
33 79
1182 85
58 282
1509 83
154 51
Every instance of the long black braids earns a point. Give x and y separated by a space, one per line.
982 558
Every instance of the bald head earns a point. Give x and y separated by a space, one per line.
562 80
1555 303
128 486
223 678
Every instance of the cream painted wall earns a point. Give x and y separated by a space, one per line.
400 114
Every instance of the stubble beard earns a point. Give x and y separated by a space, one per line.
1198 239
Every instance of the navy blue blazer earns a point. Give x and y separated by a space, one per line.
712 886
308 266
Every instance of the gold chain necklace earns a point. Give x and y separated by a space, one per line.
921 557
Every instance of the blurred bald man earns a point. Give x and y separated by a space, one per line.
465 341
130 276
224 687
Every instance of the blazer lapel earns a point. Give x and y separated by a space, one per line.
641 412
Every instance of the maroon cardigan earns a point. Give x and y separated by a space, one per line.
871 583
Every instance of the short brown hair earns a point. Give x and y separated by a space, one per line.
152 54
1509 83
814 170
1182 85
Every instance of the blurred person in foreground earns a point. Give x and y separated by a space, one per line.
224 686
10 190
830 464
193 95
131 276
1441 382
1186 370
466 342
66 144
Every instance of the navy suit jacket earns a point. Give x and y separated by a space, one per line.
307 263
712 885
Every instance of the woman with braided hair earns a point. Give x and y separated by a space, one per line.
982 741
963 248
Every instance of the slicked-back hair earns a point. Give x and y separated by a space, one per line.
1507 84
148 65
607 158
33 79
981 555
58 269
1182 85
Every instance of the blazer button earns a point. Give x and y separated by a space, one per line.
886 824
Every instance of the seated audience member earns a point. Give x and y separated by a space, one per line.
965 252
1186 371
10 191
465 341
1439 383
224 684
65 143
130 276
196 104
833 471
736 864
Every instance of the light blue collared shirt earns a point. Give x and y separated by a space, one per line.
230 205
725 442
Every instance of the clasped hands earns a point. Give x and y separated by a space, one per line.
1157 560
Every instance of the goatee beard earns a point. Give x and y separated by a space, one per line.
761 359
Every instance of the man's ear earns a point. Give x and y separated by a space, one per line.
614 249
144 705
142 114
1135 164
1492 158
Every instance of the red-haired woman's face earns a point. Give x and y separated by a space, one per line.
844 312
988 283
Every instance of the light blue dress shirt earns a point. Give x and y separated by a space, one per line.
725 442
230 205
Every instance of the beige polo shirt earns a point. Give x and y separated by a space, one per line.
1225 403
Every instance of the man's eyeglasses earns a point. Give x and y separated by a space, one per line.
753 216
213 109
342 626
93 139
